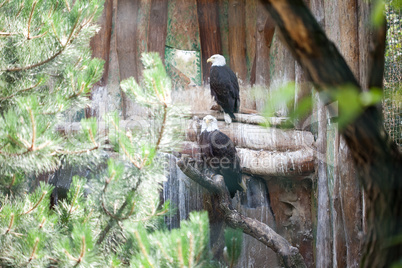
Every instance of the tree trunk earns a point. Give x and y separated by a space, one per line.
264 35
377 159
126 45
100 43
210 36
237 38
157 27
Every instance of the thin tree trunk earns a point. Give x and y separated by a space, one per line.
377 159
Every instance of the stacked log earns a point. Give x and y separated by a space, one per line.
263 151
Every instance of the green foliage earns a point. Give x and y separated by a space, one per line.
233 245
378 13
284 96
396 4
349 102
184 247
46 73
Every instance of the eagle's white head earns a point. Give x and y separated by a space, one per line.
217 60
209 123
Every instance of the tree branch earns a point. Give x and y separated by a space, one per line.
377 158
260 231
21 90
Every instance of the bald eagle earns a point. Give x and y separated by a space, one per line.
220 155
224 87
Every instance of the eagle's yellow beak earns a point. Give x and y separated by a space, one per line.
207 121
210 60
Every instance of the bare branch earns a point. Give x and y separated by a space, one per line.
260 231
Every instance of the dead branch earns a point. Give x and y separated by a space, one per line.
290 255
376 157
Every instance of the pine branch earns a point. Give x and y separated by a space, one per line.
12 182
73 201
69 40
34 250
39 36
10 225
166 256
31 116
42 223
21 90
70 256
30 19
37 203
180 253
142 247
76 94
260 231
67 5
112 221
75 152
191 251
161 132
19 10
82 253
7 34
4 2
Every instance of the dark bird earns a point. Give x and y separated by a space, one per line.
224 87
220 155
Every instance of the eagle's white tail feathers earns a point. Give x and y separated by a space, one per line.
228 119
243 185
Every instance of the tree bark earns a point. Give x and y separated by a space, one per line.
237 38
210 36
264 35
324 232
260 231
126 45
157 27
100 43
377 159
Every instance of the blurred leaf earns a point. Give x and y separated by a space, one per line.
371 97
378 13
281 97
397 4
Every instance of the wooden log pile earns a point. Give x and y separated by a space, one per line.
263 151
